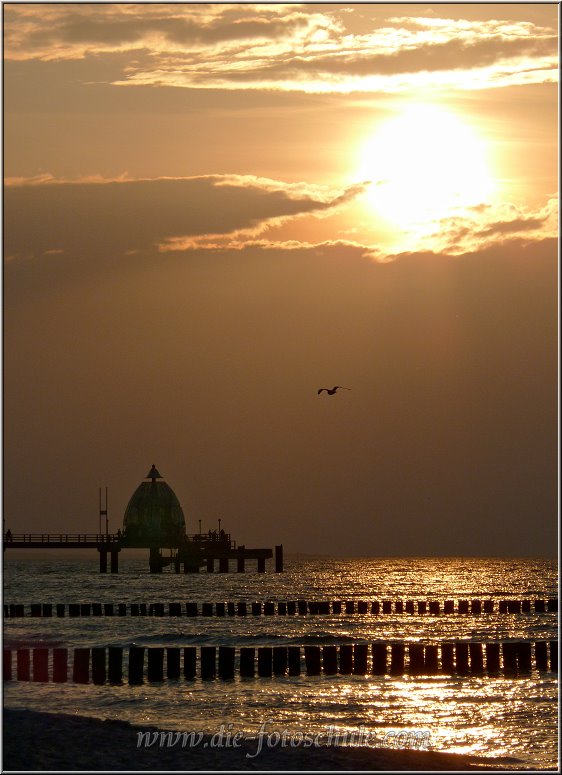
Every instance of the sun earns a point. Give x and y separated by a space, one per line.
425 164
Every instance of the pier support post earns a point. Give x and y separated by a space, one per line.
541 657
475 651
241 608
41 665
115 664
553 649
360 651
115 560
330 660
223 565
103 560
23 664
81 666
280 660
294 657
226 662
7 665
346 659
448 658
378 651
509 652
415 652
524 657
261 564
173 662
99 670
265 661
208 662
60 665
493 658
136 665
279 559
461 657
241 565
430 659
396 659
189 662
210 565
247 659
154 562
155 667
312 660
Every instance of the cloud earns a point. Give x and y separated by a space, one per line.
478 228
290 48
115 217
98 220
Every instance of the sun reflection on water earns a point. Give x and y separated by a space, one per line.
478 715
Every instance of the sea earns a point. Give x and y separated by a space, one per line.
514 717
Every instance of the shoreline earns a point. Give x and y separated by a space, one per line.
34 740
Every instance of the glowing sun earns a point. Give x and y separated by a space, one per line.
425 163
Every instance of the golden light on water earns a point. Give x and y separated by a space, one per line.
425 163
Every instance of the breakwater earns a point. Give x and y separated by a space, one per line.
286 608
108 664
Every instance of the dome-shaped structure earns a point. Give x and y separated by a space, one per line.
153 516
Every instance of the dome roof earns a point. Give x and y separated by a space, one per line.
153 515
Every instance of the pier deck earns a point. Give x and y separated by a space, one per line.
193 551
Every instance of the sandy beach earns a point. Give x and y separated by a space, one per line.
51 741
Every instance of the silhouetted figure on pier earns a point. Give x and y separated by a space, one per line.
331 391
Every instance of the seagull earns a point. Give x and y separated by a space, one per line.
331 391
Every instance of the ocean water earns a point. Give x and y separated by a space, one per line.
488 716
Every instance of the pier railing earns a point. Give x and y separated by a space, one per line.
97 538
61 538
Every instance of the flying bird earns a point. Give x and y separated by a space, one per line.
331 391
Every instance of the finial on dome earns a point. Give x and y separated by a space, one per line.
154 474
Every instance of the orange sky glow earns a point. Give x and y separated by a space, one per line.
211 210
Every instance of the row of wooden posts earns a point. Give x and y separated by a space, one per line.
301 607
105 664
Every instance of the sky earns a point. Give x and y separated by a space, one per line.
213 210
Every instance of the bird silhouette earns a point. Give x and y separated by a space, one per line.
331 391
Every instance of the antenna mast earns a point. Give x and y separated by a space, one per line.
103 512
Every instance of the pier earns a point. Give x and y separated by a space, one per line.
192 552
154 520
